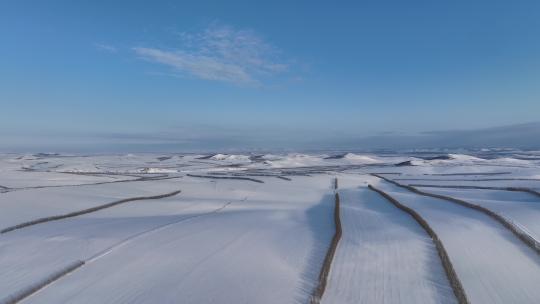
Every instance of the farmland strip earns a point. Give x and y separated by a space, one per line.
517 231
457 287
85 211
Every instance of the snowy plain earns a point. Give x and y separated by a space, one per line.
255 228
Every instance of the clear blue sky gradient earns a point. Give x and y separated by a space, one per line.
71 71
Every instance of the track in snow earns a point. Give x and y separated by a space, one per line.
57 275
236 257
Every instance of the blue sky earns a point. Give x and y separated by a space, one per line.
239 74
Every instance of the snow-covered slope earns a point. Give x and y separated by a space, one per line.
384 256
519 207
494 266
255 228
239 254
26 205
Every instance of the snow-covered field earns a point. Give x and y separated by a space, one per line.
257 228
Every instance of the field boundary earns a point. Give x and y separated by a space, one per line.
515 189
455 283
85 211
318 292
32 289
467 180
226 177
138 179
520 233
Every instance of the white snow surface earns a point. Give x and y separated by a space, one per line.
494 266
174 248
255 228
383 254
518 207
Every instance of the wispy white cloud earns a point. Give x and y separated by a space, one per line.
105 47
198 65
220 53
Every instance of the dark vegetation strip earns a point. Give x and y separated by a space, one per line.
455 283
516 189
109 174
295 173
387 173
140 179
470 180
85 211
318 292
248 174
468 173
518 232
226 177
30 290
